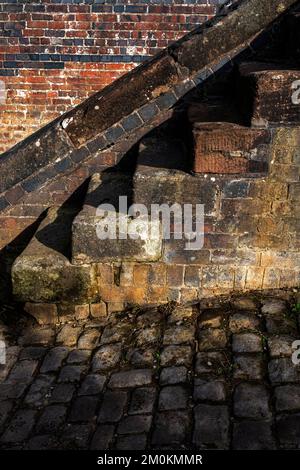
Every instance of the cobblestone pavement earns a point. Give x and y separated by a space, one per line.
217 375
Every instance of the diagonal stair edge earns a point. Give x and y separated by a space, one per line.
133 101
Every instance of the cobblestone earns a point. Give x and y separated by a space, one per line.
242 321
217 375
93 384
39 392
83 409
107 357
103 437
251 401
142 400
253 435
176 355
173 398
212 339
247 343
62 393
211 427
54 359
134 424
287 398
288 430
173 375
112 407
209 390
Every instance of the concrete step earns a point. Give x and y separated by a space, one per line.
148 184
222 145
43 272
268 94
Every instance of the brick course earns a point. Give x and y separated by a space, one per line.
54 54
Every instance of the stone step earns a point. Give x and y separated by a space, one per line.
268 94
43 272
147 186
222 145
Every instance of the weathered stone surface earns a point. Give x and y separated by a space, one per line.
211 427
176 355
215 363
40 391
135 424
253 435
5 409
248 368
93 384
84 409
132 378
20 426
78 356
271 94
43 272
283 370
247 343
121 99
22 161
211 318
273 307
238 27
68 335
52 419
11 390
102 437
288 430
54 359
173 398
37 337
23 371
62 393
76 436
170 428
88 339
280 346
70 373
279 324
45 314
228 149
173 375
243 321
209 390
179 334
142 401
212 339
107 357
142 357
135 442
181 314
251 401
244 303
32 353
147 335
287 398
112 406
92 243
115 333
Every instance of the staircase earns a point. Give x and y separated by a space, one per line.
219 152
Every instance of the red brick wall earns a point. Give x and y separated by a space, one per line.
55 53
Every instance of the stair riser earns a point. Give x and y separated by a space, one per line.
231 150
272 98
